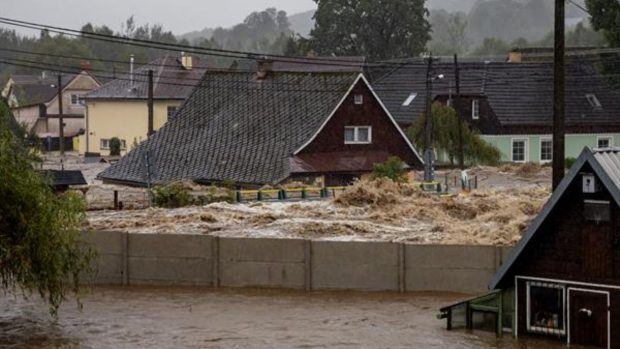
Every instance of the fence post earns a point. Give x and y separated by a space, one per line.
259 195
303 193
476 182
116 199
238 196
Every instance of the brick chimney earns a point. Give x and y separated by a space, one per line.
515 56
186 61
265 68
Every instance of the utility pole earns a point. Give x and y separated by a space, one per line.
428 126
558 95
457 106
150 104
61 122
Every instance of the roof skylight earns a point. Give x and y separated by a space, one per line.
409 99
594 102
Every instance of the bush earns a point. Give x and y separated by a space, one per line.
569 162
393 168
115 146
172 196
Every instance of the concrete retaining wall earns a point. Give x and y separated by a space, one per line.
199 260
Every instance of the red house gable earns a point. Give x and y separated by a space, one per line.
360 133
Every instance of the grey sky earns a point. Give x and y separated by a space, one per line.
180 16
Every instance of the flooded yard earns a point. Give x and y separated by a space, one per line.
140 317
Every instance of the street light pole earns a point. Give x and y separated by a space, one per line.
428 126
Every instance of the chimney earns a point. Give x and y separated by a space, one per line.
186 61
85 65
131 70
265 68
515 56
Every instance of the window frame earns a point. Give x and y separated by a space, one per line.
528 309
168 115
79 100
356 135
101 144
540 147
526 147
358 99
610 140
475 109
594 102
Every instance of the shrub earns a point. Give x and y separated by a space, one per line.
569 162
393 168
172 195
115 146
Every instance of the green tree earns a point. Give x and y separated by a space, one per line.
393 168
115 146
605 17
40 240
445 136
377 29
492 47
449 32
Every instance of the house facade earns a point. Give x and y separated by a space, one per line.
562 280
120 108
511 104
34 103
269 127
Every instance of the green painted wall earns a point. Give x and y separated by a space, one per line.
573 147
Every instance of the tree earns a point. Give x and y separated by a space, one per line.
393 168
605 17
40 241
115 146
446 137
492 47
449 32
377 29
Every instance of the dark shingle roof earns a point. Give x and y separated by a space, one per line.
170 81
520 94
322 64
62 178
235 128
34 89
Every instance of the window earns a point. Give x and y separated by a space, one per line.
123 144
596 211
604 142
359 99
594 102
546 309
357 135
171 111
475 109
104 144
519 150
546 150
77 100
409 99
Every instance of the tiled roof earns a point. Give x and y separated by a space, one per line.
34 89
170 81
520 94
236 128
62 178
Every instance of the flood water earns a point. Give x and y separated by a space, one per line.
139 317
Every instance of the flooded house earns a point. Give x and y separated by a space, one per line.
562 280
268 127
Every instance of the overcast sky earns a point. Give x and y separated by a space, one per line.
180 16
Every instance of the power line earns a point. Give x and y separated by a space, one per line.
580 7
182 47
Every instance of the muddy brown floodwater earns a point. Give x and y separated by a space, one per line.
138 317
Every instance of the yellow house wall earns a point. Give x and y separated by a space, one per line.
127 120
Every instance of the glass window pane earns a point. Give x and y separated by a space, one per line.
546 150
363 134
604 142
546 309
518 151
349 134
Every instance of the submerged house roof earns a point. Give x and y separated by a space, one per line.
62 179
235 127
606 165
170 81
519 94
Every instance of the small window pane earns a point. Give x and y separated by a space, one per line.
596 211
349 134
546 150
546 309
475 109
363 134
518 150
359 99
171 111
604 142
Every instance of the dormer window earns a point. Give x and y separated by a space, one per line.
357 135
594 102
475 109
359 99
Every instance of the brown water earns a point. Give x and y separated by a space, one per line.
139 317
